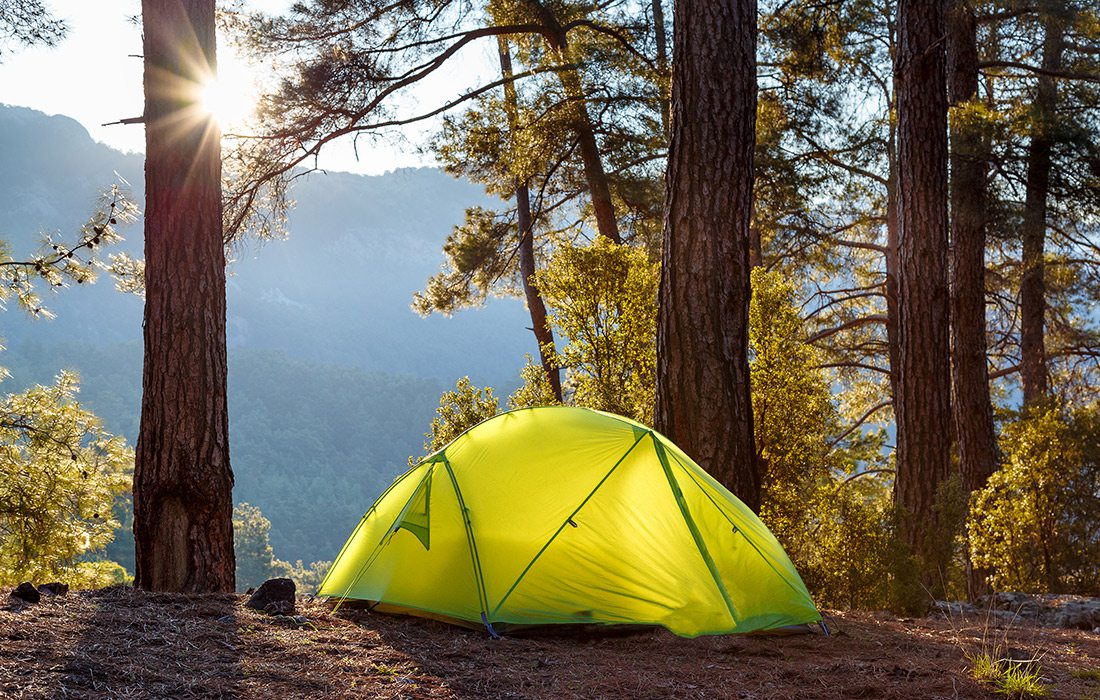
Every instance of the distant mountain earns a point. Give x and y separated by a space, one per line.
333 379
338 290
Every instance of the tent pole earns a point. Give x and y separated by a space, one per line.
700 545
476 561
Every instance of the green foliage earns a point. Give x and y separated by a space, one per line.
602 304
459 410
535 389
791 402
477 256
833 529
256 560
60 263
1036 524
60 473
252 546
307 577
846 561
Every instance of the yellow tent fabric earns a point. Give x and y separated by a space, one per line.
559 515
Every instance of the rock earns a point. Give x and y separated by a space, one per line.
26 592
275 595
1081 614
54 588
1021 605
954 608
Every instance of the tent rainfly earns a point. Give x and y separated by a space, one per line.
562 515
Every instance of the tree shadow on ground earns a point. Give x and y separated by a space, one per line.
121 643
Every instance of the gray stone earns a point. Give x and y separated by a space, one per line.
1083 614
955 608
1020 604
274 596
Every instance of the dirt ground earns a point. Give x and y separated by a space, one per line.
121 643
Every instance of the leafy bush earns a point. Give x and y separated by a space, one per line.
60 473
459 410
835 528
601 302
1036 524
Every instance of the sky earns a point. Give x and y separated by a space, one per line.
93 77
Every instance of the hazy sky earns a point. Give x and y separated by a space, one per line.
91 77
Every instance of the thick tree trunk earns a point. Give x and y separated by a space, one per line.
890 288
544 335
703 401
970 156
182 479
599 188
923 401
661 40
1033 359
975 437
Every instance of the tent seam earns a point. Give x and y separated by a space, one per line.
747 538
567 520
476 561
700 545
362 520
381 543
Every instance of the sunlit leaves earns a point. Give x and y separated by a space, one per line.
61 263
60 473
459 410
256 560
1036 525
602 304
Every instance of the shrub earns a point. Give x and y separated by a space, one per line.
1036 524
60 473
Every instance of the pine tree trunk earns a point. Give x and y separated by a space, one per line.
970 156
703 401
599 188
1033 359
890 264
890 286
975 437
182 479
923 401
544 335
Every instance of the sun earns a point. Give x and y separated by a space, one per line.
231 96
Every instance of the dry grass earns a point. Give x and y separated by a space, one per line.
120 643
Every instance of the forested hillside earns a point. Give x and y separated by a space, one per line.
333 379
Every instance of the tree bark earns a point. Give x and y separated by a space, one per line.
544 335
599 188
182 479
923 401
703 401
975 436
970 157
1034 371
890 288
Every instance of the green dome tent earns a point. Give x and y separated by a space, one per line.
561 515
